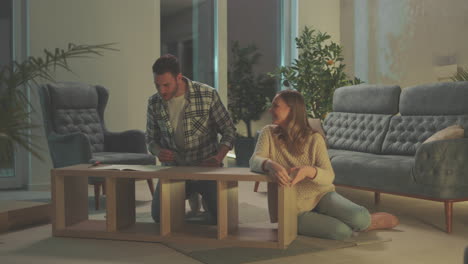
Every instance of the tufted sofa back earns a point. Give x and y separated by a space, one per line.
75 107
426 109
361 116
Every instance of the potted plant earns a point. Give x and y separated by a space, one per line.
248 95
15 108
461 75
317 72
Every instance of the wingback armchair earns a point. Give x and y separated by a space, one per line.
73 115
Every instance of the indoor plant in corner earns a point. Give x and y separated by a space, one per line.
461 75
248 95
16 81
317 72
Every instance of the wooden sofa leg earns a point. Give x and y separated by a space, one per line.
96 195
151 186
376 198
256 186
448 216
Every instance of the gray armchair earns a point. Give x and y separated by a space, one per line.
73 116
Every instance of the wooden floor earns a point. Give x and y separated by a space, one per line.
18 214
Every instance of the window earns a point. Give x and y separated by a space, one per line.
187 31
6 51
6 32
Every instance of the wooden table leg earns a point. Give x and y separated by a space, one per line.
448 216
228 208
120 203
70 200
287 216
376 198
172 207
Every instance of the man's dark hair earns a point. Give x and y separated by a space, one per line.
166 63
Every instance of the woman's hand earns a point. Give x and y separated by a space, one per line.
300 173
278 172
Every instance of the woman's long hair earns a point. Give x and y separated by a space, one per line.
298 128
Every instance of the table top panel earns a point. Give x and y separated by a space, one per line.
173 173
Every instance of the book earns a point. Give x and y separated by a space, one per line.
125 167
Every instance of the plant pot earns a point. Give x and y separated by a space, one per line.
244 148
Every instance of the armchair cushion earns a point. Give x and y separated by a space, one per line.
85 121
76 107
69 149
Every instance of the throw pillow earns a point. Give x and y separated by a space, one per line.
451 132
316 124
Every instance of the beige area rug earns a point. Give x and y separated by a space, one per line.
250 215
302 245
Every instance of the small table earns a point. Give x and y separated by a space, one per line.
70 207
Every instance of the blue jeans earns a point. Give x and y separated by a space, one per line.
334 217
207 189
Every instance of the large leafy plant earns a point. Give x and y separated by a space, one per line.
248 92
317 72
461 75
16 81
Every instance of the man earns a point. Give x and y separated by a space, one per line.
184 119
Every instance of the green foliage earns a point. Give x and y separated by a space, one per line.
461 75
16 80
317 72
248 92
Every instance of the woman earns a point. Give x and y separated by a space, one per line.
294 154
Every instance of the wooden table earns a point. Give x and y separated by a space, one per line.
70 207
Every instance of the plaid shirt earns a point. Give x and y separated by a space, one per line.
204 117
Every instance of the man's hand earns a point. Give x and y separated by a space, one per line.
213 161
166 155
278 172
216 160
300 173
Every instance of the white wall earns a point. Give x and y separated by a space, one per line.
406 40
134 26
323 15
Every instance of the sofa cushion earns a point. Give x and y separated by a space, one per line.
357 132
386 173
451 132
370 170
365 98
448 98
336 152
406 133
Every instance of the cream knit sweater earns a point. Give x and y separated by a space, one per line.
308 191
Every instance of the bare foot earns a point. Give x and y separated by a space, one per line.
382 220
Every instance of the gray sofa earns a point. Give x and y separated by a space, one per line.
375 136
